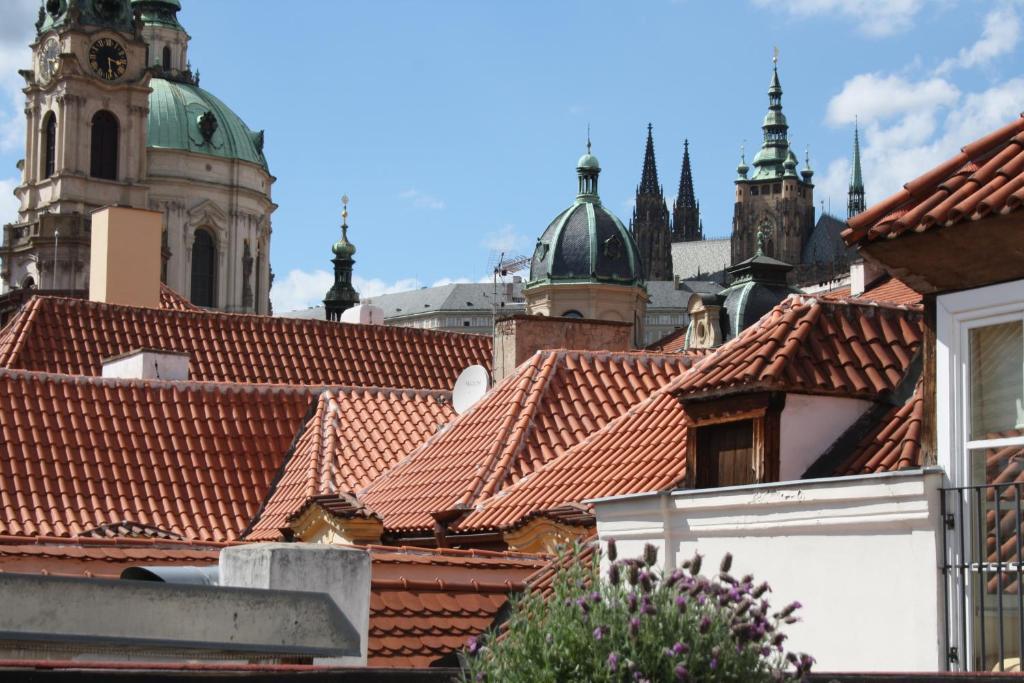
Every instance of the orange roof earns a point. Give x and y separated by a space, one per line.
354 436
807 345
673 342
72 336
191 459
552 401
985 178
98 557
803 345
894 444
170 300
888 290
425 604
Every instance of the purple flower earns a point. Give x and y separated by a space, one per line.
595 597
613 662
614 578
695 564
613 551
634 626
599 633
650 554
681 673
705 624
713 664
474 645
646 606
680 648
645 581
726 563
631 602
681 603
583 605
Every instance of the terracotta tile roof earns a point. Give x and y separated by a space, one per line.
889 290
88 455
170 300
808 345
354 436
985 178
673 342
103 558
71 336
552 401
803 345
425 604
894 444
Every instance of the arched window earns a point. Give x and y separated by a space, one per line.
167 58
572 314
28 283
105 133
204 273
49 145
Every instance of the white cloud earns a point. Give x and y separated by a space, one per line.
1000 35
15 35
875 96
8 203
906 141
876 18
505 240
422 200
299 290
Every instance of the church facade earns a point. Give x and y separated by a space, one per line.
115 115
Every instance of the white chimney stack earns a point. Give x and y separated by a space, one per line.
148 364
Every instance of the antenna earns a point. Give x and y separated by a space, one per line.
53 278
502 266
470 387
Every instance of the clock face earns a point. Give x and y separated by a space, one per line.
108 59
49 59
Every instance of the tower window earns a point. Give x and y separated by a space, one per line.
204 269
166 62
105 133
49 145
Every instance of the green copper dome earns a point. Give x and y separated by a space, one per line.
186 117
586 243
343 247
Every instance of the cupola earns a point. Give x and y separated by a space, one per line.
342 295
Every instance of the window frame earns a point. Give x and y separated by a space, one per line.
765 412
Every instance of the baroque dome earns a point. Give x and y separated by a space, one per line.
586 242
186 117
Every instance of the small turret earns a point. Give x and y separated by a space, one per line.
807 173
342 295
856 201
741 170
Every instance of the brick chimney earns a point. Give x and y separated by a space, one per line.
124 264
520 336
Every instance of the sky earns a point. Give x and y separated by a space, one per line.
455 126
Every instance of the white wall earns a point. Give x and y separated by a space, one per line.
810 424
860 553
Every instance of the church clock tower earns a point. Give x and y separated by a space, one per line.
777 201
86 105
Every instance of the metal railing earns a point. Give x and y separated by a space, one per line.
982 566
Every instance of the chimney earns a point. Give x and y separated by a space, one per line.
124 266
148 364
862 274
518 337
363 314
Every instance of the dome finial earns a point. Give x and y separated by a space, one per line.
588 137
344 210
343 247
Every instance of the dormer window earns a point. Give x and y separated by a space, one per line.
734 441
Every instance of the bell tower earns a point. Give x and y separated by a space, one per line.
86 105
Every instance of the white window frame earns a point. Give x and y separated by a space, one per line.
956 315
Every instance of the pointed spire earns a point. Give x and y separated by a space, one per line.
649 179
771 159
686 213
342 295
856 201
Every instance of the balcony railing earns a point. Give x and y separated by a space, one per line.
983 535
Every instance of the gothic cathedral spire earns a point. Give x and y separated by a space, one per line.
650 223
856 203
686 223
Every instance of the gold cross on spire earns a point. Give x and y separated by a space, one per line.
344 210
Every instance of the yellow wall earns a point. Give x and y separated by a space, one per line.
124 265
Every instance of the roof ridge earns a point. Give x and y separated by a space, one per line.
420 551
270 320
448 585
520 395
524 423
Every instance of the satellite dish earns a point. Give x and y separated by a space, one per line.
470 387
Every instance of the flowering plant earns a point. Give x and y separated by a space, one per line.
641 625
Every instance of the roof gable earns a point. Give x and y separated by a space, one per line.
354 436
70 336
553 401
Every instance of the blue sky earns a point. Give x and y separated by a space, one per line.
455 126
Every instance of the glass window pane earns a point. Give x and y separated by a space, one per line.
997 380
